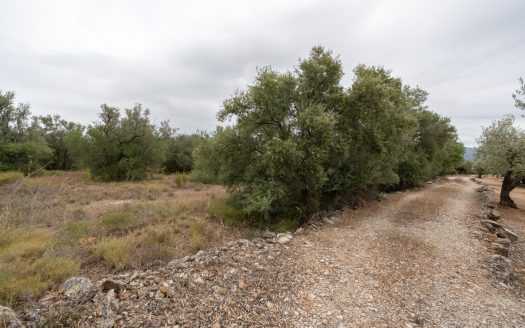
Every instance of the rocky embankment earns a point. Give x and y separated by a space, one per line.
239 284
499 237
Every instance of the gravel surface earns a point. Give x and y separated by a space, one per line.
417 259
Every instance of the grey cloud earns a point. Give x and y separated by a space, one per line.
183 60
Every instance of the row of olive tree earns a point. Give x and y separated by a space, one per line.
296 142
120 146
501 150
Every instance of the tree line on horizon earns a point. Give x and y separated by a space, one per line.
291 144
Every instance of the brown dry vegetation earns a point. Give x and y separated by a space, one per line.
54 226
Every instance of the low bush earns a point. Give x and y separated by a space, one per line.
26 269
153 243
180 179
116 252
286 225
120 220
74 230
156 243
28 245
225 211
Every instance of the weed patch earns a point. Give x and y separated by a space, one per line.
180 179
10 177
115 252
223 210
198 236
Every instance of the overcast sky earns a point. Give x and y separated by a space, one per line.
183 58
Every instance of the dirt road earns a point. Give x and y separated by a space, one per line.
413 260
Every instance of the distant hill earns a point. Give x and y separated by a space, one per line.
469 154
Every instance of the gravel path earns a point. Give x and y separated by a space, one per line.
414 261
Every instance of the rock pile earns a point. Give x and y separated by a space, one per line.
501 238
241 284
8 318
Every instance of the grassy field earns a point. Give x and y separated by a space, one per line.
62 224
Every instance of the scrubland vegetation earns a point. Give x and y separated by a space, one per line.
123 193
57 225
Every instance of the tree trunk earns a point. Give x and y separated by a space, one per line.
507 186
480 173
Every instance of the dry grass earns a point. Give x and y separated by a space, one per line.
54 225
9 177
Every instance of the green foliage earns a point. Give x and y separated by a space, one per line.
122 148
435 149
275 154
21 147
297 142
180 179
119 221
224 210
54 131
26 271
25 156
128 218
116 252
143 246
519 96
76 146
377 126
285 225
13 119
179 153
207 159
501 148
501 151
466 167
22 280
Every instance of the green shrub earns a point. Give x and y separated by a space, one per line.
76 229
140 247
116 253
224 210
54 269
286 225
180 179
155 243
29 245
119 221
128 218
22 280
14 286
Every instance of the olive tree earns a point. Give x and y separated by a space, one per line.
501 151
519 96
20 148
274 156
297 142
122 147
